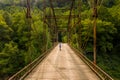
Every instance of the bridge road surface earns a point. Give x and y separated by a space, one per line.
62 65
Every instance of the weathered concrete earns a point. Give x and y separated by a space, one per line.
62 65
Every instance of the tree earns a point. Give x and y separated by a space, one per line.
105 32
10 59
5 32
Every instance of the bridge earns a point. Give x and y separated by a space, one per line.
67 63
62 64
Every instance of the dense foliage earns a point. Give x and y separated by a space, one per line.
21 39
21 42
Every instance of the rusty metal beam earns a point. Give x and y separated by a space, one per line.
62 16
69 20
94 29
53 12
28 14
62 0
62 8
55 27
79 25
44 28
58 0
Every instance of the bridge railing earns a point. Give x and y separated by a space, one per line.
101 74
27 69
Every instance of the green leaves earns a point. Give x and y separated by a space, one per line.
10 59
21 40
105 32
4 30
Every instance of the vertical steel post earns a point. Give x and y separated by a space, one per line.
28 16
55 26
44 27
94 29
79 24
69 21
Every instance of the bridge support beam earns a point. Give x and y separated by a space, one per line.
69 22
94 29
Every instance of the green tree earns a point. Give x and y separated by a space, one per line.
10 59
5 32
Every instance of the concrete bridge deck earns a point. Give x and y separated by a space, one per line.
62 65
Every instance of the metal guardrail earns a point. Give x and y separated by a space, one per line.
27 69
99 72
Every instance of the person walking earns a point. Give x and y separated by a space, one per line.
60 46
